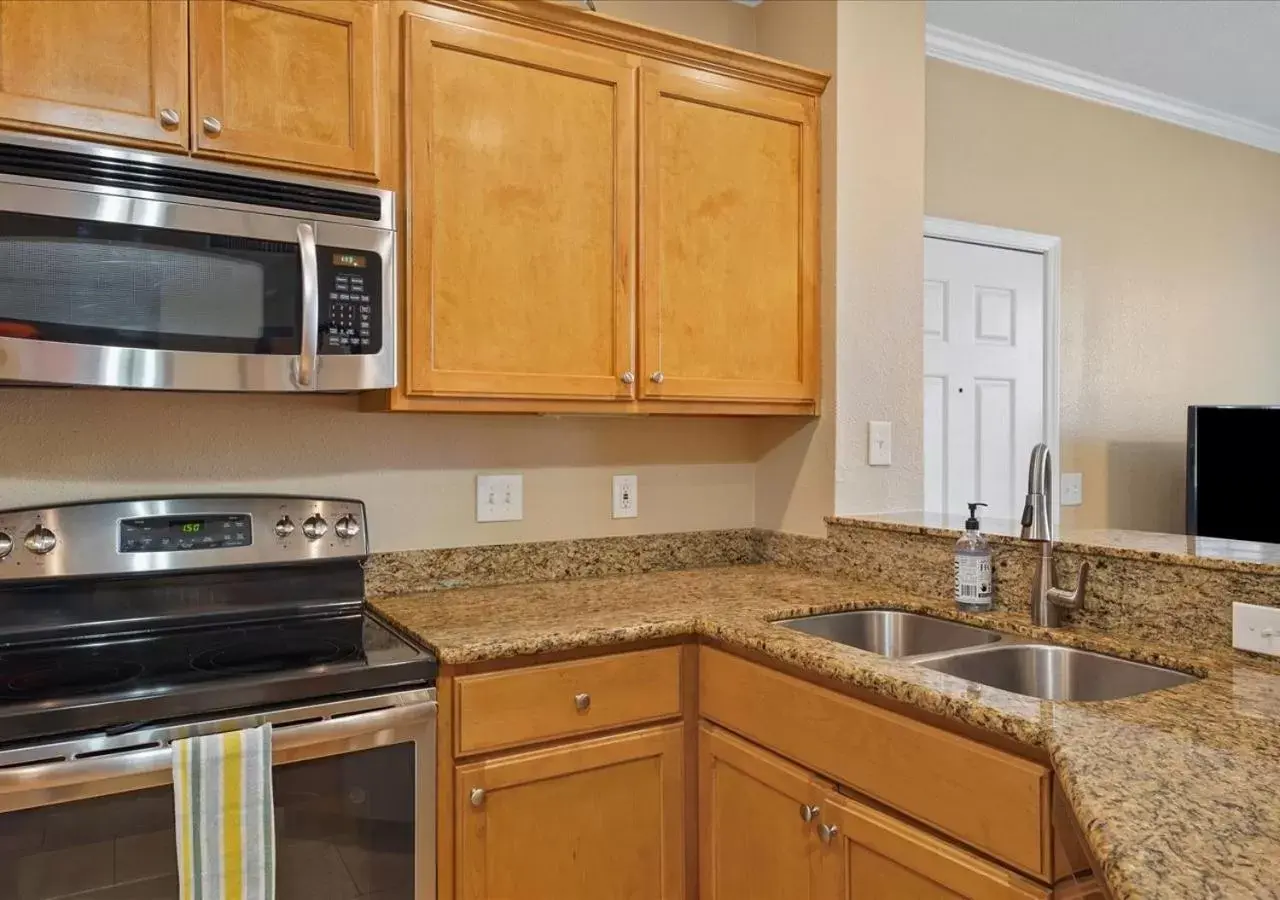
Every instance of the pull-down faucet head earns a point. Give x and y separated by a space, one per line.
1037 521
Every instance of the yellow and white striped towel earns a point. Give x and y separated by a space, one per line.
225 816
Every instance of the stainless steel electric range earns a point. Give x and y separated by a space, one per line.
125 625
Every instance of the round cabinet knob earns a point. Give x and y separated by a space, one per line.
284 527
169 117
347 527
6 545
828 832
477 797
808 813
628 377
40 540
656 378
582 702
211 125
315 527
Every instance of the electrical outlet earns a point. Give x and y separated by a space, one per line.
879 443
1072 489
1255 628
499 498
625 501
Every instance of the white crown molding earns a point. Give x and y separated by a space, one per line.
961 49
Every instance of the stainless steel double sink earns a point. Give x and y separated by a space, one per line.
990 658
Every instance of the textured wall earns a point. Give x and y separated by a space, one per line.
731 24
1169 270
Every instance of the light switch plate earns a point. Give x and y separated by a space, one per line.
625 499
1072 490
499 498
1255 628
879 443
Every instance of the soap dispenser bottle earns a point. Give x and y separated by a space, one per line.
973 566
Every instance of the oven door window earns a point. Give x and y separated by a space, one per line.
102 283
344 831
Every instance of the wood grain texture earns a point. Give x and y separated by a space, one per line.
581 821
729 239
293 82
753 843
521 706
521 215
100 69
397 401
883 755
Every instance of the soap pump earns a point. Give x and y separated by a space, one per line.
973 566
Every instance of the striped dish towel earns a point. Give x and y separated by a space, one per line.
225 816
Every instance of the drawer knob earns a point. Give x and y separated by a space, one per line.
211 125
582 702
169 117
628 377
808 813
656 378
827 832
477 797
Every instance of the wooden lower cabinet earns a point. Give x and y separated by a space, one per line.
592 819
769 829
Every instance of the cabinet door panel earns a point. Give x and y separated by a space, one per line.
100 69
290 82
521 215
729 280
753 843
582 821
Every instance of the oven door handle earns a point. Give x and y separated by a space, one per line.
304 374
150 767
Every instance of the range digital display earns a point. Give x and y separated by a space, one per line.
162 534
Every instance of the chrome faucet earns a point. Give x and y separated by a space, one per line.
1047 601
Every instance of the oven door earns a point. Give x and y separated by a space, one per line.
354 807
119 288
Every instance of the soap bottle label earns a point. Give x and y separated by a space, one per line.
973 579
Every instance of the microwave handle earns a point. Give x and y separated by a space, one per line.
305 366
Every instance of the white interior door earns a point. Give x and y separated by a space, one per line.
984 372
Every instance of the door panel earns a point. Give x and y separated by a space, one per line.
288 81
521 215
581 821
729 205
101 69
984 357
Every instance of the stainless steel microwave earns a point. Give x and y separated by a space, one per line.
136 270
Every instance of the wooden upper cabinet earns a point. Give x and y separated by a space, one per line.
581 821
286 82
729 237
521 213
100 69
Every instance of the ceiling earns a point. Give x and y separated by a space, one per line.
1218 54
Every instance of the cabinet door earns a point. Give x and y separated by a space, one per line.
729 276
582 821
96 68
290 82
873 856
521 214
757 834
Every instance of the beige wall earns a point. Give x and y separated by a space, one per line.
1169 270
718 21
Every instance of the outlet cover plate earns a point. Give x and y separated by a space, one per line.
625 500
499 498
1255 628
1071 491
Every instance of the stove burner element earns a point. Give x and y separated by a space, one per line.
250 655
49 676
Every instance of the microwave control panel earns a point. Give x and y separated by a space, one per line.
350 301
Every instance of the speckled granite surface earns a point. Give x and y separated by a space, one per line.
1178 791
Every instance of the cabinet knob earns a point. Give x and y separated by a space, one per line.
828 832
477 797
808 813
169 117
656 378
211 125
582 702
628 377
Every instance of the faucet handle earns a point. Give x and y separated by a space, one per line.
1072 599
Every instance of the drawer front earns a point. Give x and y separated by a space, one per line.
989 799
521 706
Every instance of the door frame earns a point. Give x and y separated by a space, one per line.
1050 248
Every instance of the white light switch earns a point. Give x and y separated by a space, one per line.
879 443
625 500
1255 628
1072 488
499 498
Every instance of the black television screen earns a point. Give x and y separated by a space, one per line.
1233 482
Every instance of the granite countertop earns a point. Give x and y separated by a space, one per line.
1178 791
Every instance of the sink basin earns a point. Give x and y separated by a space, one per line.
1056 673
892 633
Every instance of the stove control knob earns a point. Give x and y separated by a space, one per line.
347 527
284 527
315 527
6 545
40 540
